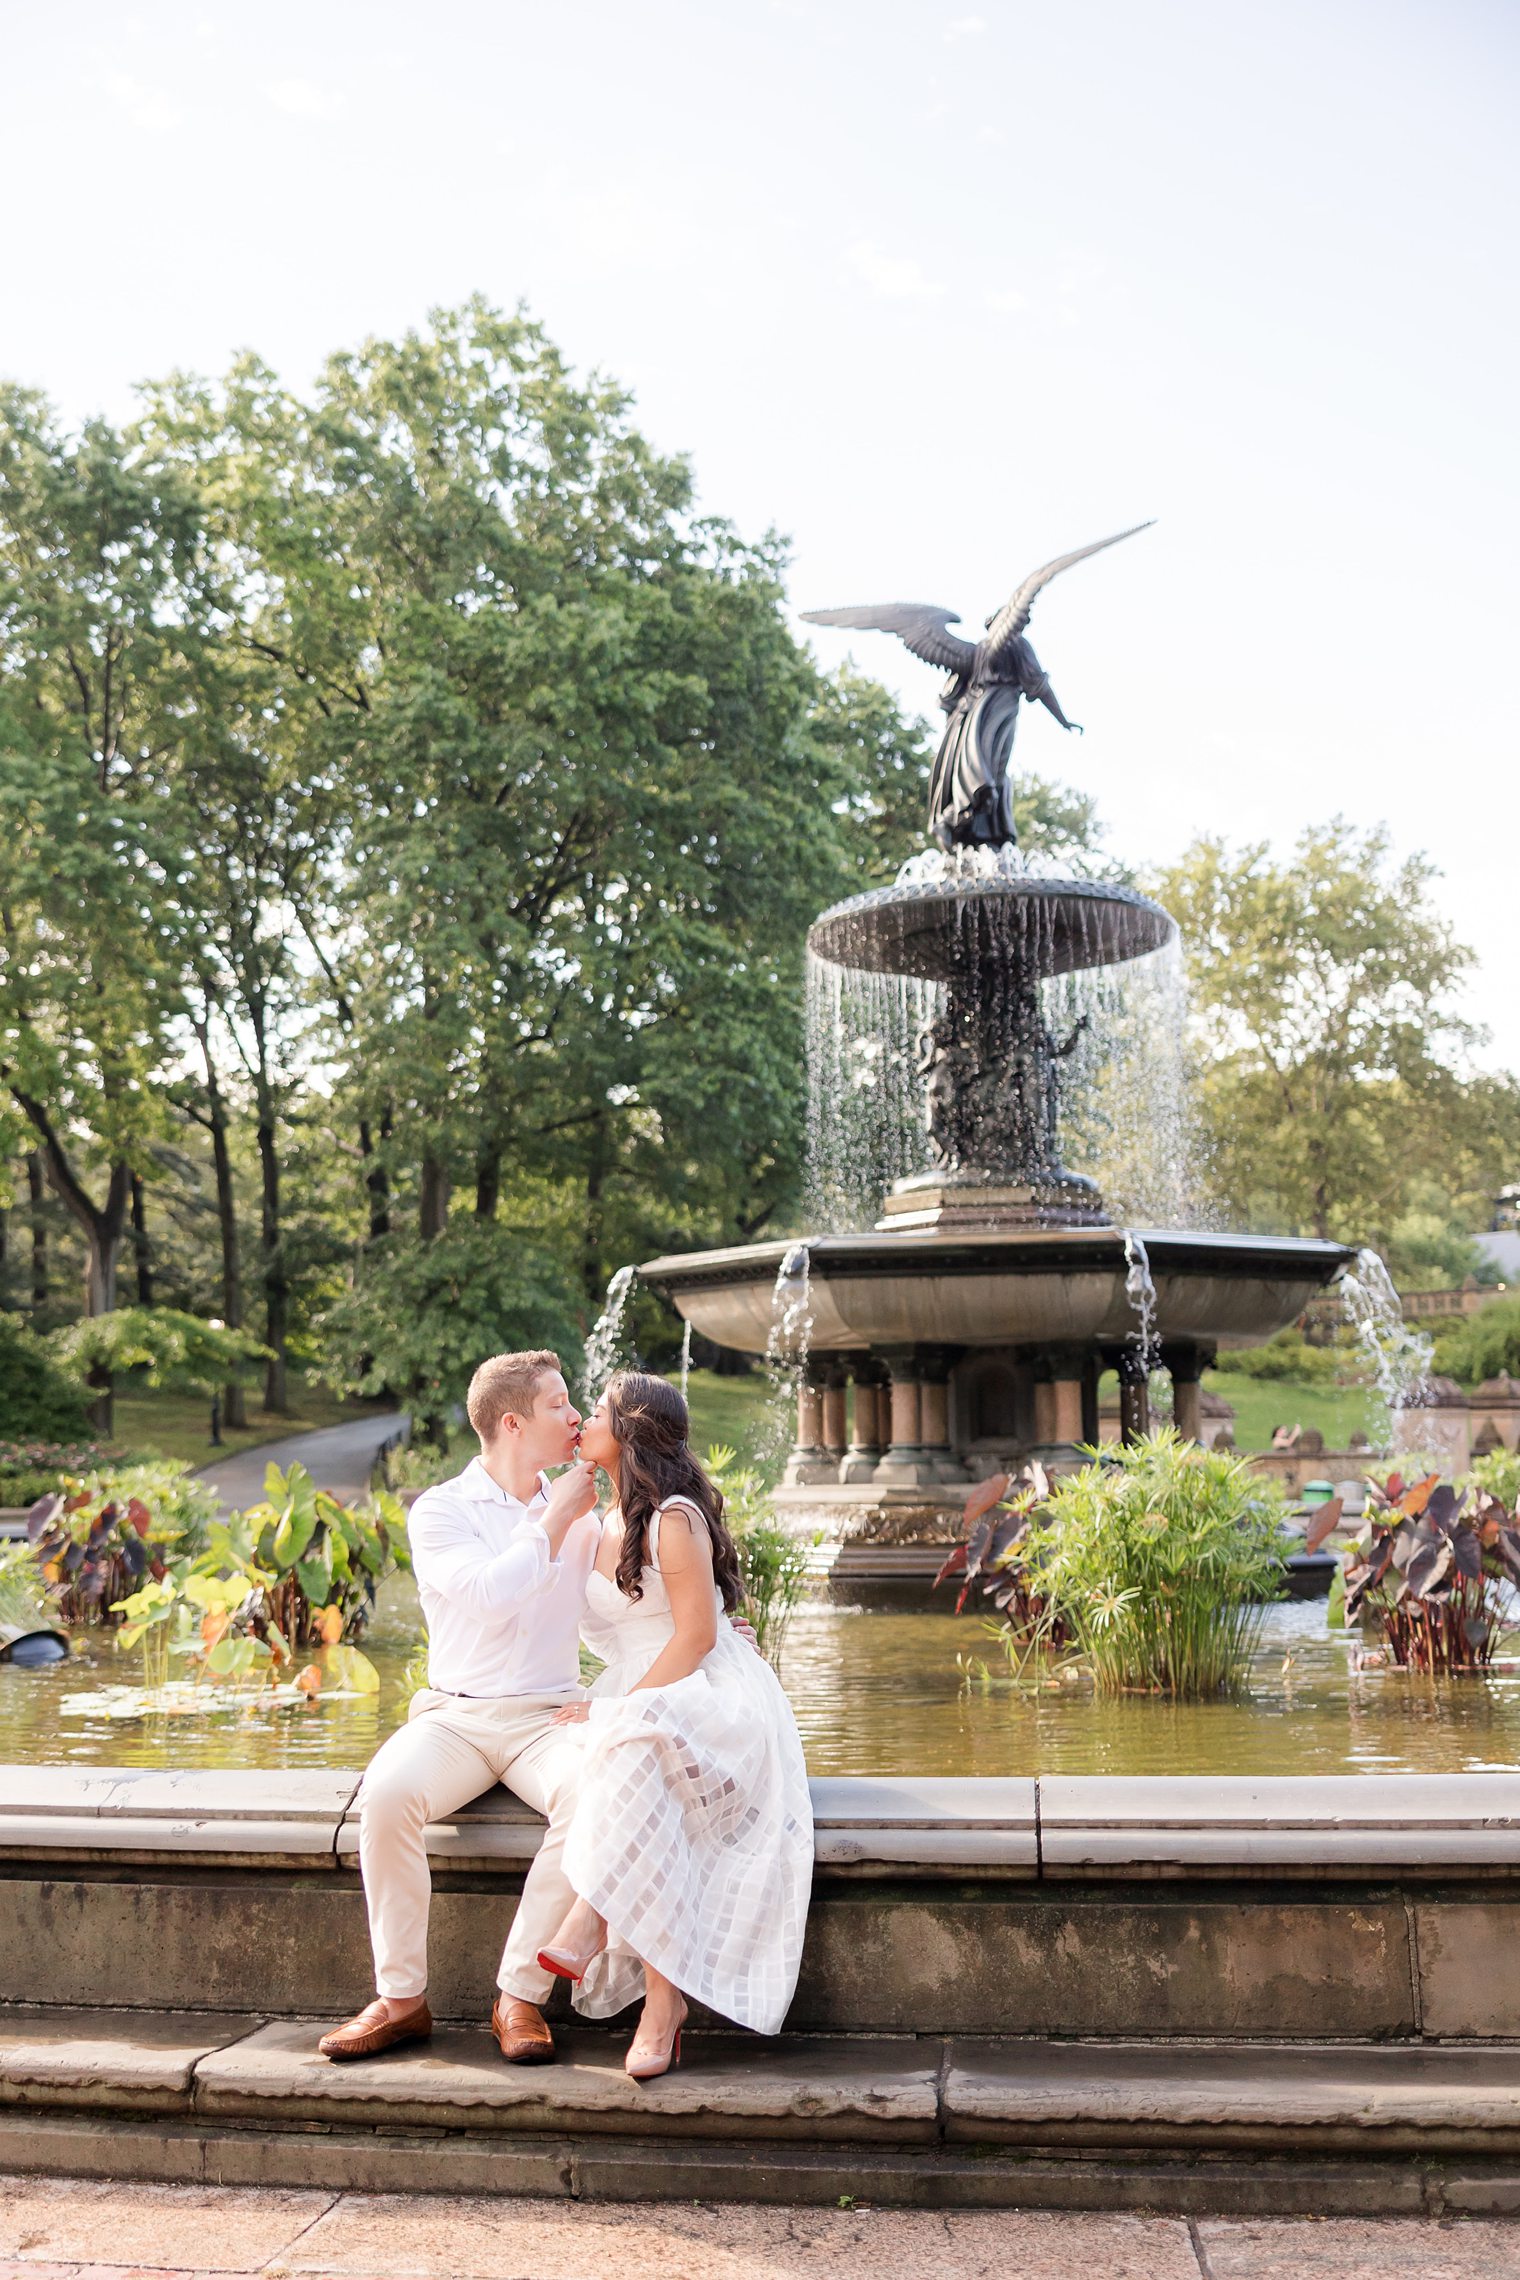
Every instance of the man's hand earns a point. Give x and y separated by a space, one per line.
745 1629
571 1497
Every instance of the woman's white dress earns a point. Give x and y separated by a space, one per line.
693 1834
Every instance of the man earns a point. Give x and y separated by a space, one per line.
501 1561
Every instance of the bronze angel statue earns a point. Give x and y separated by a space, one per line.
970 804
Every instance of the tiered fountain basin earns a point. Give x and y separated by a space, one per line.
934 1358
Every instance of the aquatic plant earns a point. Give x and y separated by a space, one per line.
1434 1566
101 1535
311 1565
1151 1566
773 1561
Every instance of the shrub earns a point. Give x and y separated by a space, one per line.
1482 1345
1498 1474
1151 1566
162 1344
29 1469
1288 1355
772 1561
39 1400
99 1537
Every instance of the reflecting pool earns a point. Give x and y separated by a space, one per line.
877 1690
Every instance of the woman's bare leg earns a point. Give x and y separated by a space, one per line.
582 1931
664 2010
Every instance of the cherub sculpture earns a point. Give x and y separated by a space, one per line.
969 800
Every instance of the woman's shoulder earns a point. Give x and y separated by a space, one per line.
679 1523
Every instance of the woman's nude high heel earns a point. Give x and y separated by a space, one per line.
568 1966
655 2061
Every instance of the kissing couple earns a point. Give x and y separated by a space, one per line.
678 1857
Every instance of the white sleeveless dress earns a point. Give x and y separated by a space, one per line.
693 1834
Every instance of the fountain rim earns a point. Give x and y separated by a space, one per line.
942 895
1056 1250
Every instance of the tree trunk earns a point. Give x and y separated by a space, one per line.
593 1272
103 1226
433 1203
376 1177
487 1183
35 1192
140 1245
234 1411
276 1281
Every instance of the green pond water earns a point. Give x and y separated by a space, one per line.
877 1690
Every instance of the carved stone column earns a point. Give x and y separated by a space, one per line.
869 1439
904 1463
835 1426
1134 1396
934 1414
809 1462
1186 1363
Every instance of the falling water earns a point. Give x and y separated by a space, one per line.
685 1356
1140 1290
1399 1357
604 1344
1125 1116
786 1352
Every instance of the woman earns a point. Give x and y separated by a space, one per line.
692 1844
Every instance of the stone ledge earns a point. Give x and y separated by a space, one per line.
809 2087
1264 2097
974 2122
1057 1827
141 2062
1332 1821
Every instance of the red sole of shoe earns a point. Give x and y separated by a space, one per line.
547 1962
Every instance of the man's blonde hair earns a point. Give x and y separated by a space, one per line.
506 1385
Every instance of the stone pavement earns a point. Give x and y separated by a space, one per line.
52 2227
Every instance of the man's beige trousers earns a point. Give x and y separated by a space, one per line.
450 1750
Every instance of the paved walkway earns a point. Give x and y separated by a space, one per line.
339 1457
55 2226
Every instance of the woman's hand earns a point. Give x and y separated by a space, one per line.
573 1714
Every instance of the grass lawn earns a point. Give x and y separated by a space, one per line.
727 1411
165 1424
1260 1403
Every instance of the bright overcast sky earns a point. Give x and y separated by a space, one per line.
939 291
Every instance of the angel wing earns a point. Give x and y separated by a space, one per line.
1012 618
919 624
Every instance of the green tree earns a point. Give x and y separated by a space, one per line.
102 610
1323 988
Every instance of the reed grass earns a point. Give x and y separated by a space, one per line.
1158 1561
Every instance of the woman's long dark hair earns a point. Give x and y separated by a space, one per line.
651 1425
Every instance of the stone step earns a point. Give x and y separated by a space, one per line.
868 2090
914 2121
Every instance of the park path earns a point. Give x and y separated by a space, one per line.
102 2230
338 1457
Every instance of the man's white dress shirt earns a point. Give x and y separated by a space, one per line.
502 1616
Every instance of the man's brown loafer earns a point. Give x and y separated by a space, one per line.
522 2031
374 2030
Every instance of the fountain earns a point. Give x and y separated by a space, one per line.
968 1328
